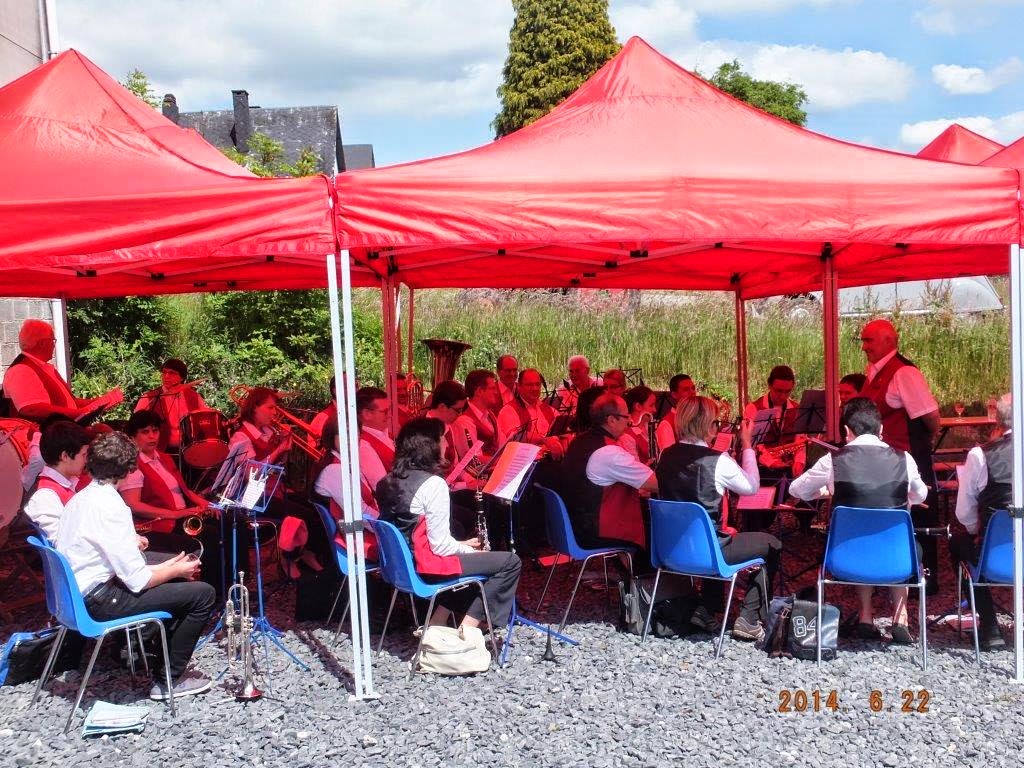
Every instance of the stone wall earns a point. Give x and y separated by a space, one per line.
12 313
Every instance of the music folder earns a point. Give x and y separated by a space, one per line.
510 470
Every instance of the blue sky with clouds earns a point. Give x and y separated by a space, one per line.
417 78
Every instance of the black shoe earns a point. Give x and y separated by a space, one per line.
990 638
901 635
865 631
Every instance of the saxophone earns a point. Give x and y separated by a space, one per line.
238 626
481 523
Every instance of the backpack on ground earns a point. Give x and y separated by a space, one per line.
671 617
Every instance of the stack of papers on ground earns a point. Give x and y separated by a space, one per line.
105 717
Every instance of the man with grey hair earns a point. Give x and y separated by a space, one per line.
986 484
579 381
35 387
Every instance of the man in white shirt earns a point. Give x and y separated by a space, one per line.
527 410
680 388
35 387
986 484
97 537
579 381
508 372
478 421
376 448
910 420
866 473
63 447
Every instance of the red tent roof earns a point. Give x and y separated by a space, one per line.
101 195
960 145
649 177
1011 156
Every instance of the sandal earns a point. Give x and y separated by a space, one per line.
901 634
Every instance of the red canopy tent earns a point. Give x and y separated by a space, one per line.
959 145
1011 156
102 196
649 177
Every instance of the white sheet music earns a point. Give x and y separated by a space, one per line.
510 470
763 499
458 469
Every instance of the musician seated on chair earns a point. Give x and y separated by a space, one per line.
867 473
328 488
640 402
579 381
528 410
680 389
35 387
415 499
160 500
172 401
376 448
97 537
781 381
985 485
614 381
477 422
329 413
599 481
507 369
690 470
63 446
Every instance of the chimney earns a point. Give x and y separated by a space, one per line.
243 120
170 108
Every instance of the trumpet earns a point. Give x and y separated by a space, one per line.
192 525
238 626
302 434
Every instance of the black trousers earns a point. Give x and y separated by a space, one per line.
746 546
964 547
502 572
190 604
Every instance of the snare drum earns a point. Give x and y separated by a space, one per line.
15 443
202 439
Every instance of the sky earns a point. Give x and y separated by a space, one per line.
417 78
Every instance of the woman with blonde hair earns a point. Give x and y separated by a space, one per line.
690 470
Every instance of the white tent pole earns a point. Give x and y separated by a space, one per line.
344 381
830 322
1017 392
62 354
388 329
741 352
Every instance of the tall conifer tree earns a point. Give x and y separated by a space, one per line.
553 47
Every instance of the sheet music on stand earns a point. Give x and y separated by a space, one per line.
766 423
723 441
510 470
808 418
249 484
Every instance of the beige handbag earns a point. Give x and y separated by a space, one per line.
448 651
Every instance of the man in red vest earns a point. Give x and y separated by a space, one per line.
35 387
910 419
477 422
527 410
172 401
376 448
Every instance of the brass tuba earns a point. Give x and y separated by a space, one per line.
445 355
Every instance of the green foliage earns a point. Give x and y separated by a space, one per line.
553 47
266 158
138 83
784 100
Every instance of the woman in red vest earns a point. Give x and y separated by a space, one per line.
414 498
328 487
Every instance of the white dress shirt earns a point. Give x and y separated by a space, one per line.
370 465
97 536
508 422
665 432
973 478
328 483
818 482
432 499
25 388
907 390
45 508
612 464
136 480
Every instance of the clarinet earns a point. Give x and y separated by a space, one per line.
652 438
481 523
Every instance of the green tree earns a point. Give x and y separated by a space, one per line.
138 83
785 100
266 158
553 47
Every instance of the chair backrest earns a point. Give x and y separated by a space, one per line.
996 562
684 539
871 546
331 526
51 602
68 606
396 560
556 520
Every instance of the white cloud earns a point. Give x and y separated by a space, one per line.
954 17
665 24
832 79
1004 129
731 7
958 80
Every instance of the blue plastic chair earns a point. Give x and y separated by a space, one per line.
562 538
684 541
398 570
341 559
994 568
874 547
69 609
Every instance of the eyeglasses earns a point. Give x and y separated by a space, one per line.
618 416
460 409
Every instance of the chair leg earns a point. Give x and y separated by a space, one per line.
167 667
419 645
85 681
412 604
387 620
131 651
572 597
650 607
604 567
50 660
490 625
960 601
974 624
337 597
547 582
725 616
821 599
344 613
142 650
923 621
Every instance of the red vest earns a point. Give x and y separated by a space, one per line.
64 494
382 449
895 423
160 406
155 491
58 391
486 431
370 550
524 415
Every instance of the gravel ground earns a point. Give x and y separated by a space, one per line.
610 702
